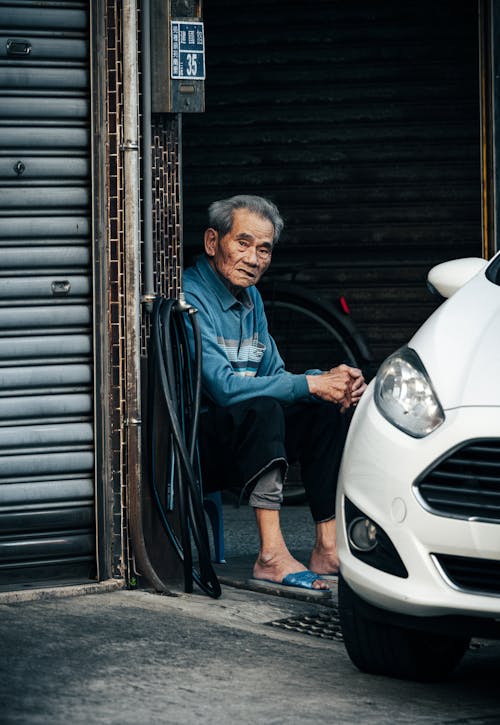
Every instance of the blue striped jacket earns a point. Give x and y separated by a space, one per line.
240 359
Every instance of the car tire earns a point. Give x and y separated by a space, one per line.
381 648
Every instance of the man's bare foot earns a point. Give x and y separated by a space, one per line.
275 562
324 561
276 567
324 557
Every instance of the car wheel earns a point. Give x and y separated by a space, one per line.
382 648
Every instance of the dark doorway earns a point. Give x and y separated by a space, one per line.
362 122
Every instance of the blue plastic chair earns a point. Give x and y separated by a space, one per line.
213 506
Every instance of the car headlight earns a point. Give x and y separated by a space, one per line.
405 396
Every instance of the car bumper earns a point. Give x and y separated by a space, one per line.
379 467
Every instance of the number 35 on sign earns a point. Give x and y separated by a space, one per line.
187 45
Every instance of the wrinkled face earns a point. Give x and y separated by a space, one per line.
242 255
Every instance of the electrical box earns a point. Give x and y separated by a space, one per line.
177 57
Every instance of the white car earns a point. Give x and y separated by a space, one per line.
418 501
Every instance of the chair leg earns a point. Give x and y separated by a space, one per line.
213 506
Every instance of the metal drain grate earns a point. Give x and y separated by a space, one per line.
325 625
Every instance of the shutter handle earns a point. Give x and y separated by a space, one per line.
19 168
60 287
18 47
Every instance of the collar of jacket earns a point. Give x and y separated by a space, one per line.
215 283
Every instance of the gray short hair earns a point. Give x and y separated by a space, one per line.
220 213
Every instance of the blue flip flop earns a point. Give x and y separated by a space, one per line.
300 579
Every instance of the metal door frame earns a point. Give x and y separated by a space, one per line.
489 58
100 271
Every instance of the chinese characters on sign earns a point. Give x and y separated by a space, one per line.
188 50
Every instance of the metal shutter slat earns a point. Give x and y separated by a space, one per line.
44 168
51 346
47 198
34 318
69 228
28 551
50 492
36 17
44 407
41 287
45 109
70 79
42 137
44 376
35 436
47 464
47 520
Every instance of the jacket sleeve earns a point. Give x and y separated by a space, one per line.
223 385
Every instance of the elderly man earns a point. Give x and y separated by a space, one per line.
260 417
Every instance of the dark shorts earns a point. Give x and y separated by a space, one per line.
239 442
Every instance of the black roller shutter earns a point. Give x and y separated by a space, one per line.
361 121
47 520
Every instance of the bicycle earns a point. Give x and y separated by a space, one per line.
311 332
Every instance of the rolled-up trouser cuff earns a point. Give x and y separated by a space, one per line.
240 441
324 521
268 491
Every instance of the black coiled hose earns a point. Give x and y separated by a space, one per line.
174 389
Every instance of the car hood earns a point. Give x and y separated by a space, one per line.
460 346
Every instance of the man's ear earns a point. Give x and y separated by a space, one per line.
210 240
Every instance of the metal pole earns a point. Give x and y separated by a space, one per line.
132 291
147 203
181 204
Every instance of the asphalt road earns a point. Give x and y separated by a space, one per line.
137 658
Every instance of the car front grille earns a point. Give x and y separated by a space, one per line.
473 575
466 483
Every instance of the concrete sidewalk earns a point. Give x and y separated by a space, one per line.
139 657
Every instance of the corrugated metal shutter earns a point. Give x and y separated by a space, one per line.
47 520
361 121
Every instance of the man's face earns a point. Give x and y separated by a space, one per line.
243 254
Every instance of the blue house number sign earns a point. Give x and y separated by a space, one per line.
188 50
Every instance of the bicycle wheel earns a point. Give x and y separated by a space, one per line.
310 333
